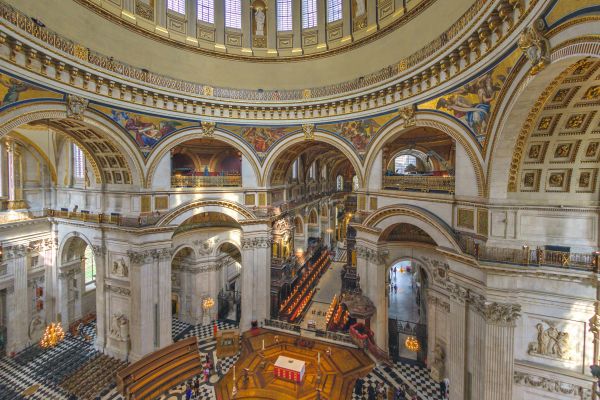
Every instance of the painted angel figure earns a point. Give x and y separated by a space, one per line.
15 88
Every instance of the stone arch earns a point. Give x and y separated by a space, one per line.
41 153
103 129
66 242
514 110
299 225
180 248
189 209
185 135
221 243
279 149
442 123
438 230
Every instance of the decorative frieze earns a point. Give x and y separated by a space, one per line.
260 242
552 385
372 255
117 289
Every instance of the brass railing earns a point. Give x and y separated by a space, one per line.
529 256
421 183
206 181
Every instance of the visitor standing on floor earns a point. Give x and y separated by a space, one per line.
371 393
188 392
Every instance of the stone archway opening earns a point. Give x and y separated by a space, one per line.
206 270
205 163
77 285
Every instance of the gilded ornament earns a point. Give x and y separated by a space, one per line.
544 123
563 150
81 52
408 114
593 93
535 46
309 131
208 128
575 121
76 106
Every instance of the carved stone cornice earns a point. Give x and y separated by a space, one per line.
458 293
552 385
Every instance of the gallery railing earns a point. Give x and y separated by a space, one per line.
444 184
179 181
297 329
529 256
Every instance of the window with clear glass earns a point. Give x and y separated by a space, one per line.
89 268
206 11
284 15
309 13
340 183
295 169
355 182
176 5
405 163
78 162
233 14
334 10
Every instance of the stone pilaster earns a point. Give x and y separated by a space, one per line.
18 317
499 349
100 259
164 298
371 269
347 19
457 351
322 23
431 325
161 13
220 25
297 27
256 276
141 329
191 11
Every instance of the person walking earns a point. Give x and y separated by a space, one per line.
188 392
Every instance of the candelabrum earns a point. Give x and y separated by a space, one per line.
207 304
412 344
53 335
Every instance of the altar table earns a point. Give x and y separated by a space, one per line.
289 368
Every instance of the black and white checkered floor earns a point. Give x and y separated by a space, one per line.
44 369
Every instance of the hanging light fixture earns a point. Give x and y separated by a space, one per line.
53 335
412 344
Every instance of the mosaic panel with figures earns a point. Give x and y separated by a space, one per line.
563 147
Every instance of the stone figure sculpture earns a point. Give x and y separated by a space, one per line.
120 268
259 17
360 8
119 327
550 342
437 366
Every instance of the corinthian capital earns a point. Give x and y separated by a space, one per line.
139 257
501 313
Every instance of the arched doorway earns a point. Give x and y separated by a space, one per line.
206 270
407 309
77 283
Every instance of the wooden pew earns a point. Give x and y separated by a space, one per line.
159 371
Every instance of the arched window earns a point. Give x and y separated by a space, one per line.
284 15
78 162
334 10
339 183
355 182
233 14
309 13
312 171
176 5
89 268
295 169
206 11
405 164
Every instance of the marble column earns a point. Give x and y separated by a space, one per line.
18 317
499 349
457 352
141 319
100 259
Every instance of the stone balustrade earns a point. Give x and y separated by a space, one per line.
444 184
